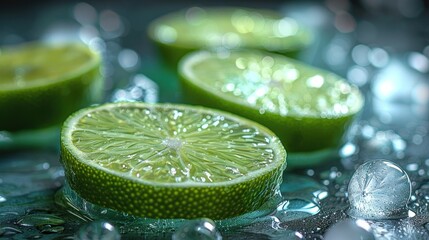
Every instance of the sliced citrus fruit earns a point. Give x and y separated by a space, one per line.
308 108
170 161
195 28
41 84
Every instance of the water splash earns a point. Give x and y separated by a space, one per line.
295 209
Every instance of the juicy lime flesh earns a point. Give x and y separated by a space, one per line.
197 28
171 161
28 64
171 145
308 108
40 85
276 85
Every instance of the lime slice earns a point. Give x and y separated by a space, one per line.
171 161
308 108
196 28
40 85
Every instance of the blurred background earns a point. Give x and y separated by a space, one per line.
380 45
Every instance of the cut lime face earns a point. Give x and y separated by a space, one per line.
308 108
196 28
171 161
40 84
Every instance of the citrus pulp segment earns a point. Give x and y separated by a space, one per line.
171 161
41 84
308 108
196 28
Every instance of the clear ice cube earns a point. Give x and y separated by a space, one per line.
379 189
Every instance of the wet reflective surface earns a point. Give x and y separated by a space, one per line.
367 50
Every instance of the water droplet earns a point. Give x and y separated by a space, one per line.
295 209
84 13
98 230
128 59
379 189
360 54
351 230
358 75
203 229
419 62
379 57
315 81
111 23
166 34
412 167
349 149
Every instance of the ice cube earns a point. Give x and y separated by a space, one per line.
379 189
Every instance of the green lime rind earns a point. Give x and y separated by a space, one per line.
309 109
181 32
126 184
41 84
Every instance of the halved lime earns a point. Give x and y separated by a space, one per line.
41 84
197 28
170 161
308 108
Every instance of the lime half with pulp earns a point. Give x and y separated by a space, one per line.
41 84
197 28
171 161
308 108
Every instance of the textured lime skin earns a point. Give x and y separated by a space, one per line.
112 191
44 105
220 201
172 52
299 134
